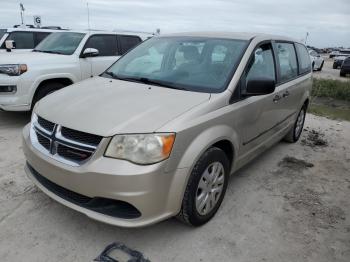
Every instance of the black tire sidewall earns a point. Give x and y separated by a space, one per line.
46 90
296 137
210 156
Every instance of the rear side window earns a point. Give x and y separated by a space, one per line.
303 58
127 42
288 66
105 44
24 40
40 37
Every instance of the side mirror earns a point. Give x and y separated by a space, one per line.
10 44
260 86
90 52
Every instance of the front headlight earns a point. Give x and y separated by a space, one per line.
141 149
13 70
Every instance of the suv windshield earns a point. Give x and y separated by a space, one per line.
64 43
189 63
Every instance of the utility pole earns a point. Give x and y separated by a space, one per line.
22 13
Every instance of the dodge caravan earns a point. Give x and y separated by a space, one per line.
159 133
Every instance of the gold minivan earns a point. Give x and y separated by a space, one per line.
159 133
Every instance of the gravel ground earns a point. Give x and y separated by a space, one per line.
290 204
328 72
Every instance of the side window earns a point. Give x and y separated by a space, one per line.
303 58
262 65
128 42
105 44
40 37
287 61
24 40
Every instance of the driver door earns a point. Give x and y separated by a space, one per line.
259 114
108 54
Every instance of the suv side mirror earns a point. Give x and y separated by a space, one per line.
10 44
260 86
90 52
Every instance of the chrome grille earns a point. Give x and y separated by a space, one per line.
63 144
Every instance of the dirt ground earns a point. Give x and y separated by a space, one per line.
290 204
328 72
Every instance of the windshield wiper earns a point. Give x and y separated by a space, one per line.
145 80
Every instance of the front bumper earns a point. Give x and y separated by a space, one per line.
18 101
155 193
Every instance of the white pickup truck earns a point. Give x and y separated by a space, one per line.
61 59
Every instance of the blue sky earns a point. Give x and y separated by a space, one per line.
328 22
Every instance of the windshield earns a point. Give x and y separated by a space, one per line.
189 63
64 43
2 32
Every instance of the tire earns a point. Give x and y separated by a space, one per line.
320 68
313 66
295 132
191 212
335 66
342 74
45 90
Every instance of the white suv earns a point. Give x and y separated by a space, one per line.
25 38
59 60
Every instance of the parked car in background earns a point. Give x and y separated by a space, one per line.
345 67
316 60
159 133
333 54
59 60
338 61
25 38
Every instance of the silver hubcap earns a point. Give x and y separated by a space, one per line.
300 121
210 188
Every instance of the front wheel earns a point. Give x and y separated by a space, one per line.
206 188
45 90
295 133
321 66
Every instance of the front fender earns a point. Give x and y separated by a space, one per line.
42 78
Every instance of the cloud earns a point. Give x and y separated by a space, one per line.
328 23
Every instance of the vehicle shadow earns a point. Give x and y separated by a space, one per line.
14 119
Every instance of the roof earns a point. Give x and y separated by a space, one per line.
232 35
16 29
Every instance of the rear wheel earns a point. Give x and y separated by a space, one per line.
45 90
342 74
206 188
295 132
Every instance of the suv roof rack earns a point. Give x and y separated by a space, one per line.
53 27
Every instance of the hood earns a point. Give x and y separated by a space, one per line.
107 107
30 58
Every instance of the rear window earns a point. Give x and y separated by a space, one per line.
127 42
303 58
24 40
287 61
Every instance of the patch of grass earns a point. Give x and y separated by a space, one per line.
330 112
331 88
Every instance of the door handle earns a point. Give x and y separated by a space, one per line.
276 98
285 94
